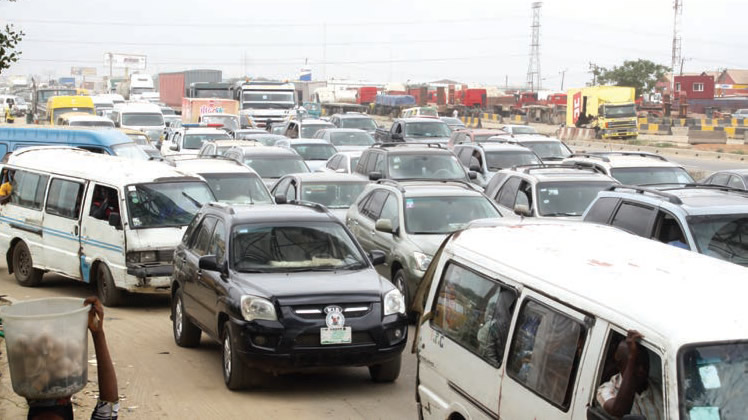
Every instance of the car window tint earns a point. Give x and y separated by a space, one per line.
190 230
508 192
372 161
103 203
379 165
64 198
364 201
390 210
719 179
374 206
736 182
669 231
360 167
217 245
202 240
634 218
291 192
545 352
475 312
601 210
28 189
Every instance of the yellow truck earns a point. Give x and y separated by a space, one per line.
57 106
610 110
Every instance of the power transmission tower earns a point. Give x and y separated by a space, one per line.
533 70
676 59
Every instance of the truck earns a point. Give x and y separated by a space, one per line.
609 110
193 108
366 95
266 101
138 84
337 99
174 86
392 104
549 110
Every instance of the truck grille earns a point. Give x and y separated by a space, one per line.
352 310
621 124
165 255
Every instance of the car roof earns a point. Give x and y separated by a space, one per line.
203 130
353 115
624 282
301 141
266 151
234 142
505 126
413 149
432 188
496 147
87 117
693 199
201 165
251 214
549 174
742 171
344 130
625 160
137 107
421 120
314 121
485 131
350 153
328 177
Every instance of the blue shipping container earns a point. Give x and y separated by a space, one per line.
395 100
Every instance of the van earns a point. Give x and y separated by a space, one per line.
523 321
144 117
75 119
420 112
59 105
110 142
110 222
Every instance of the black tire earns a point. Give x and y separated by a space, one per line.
387 371
399 281
186 334
107 292
23 266
236 374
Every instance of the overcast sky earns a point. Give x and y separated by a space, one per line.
474 41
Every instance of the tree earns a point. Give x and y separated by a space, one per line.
9 39
640 74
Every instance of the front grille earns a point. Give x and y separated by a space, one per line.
313 339
351 310
165 255
621 124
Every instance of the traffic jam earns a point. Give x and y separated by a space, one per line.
439 250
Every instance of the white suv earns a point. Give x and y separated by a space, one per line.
633 168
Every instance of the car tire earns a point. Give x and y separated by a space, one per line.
23 266
399 281
236 374
387 371
106 290
186 334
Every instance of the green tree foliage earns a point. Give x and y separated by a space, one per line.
9 39
639 74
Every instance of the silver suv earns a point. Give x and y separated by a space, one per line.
633 168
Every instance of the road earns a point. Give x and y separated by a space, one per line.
158 380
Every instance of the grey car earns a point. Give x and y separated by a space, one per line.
269 162
734 178
333 190
489 158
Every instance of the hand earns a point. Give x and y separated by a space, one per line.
632 338
95 315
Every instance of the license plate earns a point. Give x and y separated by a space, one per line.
335 335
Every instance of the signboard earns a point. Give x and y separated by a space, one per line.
577 106
122 61
83 71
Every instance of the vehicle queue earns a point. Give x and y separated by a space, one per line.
493 243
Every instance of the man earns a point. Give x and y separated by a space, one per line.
108 404
630 391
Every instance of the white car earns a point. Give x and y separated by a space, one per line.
188 140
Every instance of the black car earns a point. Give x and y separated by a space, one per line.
283 288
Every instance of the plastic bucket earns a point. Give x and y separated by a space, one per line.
47 346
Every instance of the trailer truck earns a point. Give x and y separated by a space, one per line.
176 85
610 110
193 108
266 101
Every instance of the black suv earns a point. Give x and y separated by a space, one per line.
402 161
284 288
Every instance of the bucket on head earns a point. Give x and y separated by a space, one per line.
47 346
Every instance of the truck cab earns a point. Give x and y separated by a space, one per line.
610 110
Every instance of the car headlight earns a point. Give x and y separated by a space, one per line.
141 257
422 260
394 303
254 307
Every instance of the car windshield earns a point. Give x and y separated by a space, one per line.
166 204
58 112
238 188
657 175
264 139
567 198
142 119
484 138
621 111
352 138
724 236
195 141
267 97
334 195
441 215
213 93
285 247
129 151
229 121
548 149
276 167
92 124
139 139
427 129
314 151
360 123
712 381
522 130
309 130
427 166
452 121
500 160
168 111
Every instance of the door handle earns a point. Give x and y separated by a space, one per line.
75 230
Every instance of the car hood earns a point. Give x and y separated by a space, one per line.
153 238
443 140
315 164
429 244
306 288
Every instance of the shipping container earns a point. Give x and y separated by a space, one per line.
173 86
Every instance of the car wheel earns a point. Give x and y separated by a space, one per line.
236 374
399 281
23 266
105 288
186 334
387 371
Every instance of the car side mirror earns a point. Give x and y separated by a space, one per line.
208 263
377 257
397 136
475 168
173 147
115 220
280 199
117 124
522 210
473 175
375 176
384 225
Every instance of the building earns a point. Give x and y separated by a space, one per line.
732 82
694 86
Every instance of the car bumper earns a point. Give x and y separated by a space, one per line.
294 344
619 132
150 279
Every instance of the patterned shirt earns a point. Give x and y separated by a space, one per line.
648 403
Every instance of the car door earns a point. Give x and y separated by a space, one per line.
636 218
462 348
368 218
192 283
386 241
99 240
62 225
23 214
507 195
212 284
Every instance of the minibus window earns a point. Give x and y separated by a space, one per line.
28 190
545 352
166 204
64 198
104 203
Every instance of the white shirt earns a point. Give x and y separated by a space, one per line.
648 403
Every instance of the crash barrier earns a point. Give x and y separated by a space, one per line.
574 133
707 137
661 129
491 117
472 122
690 122
517 119
730 132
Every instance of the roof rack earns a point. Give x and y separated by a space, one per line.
173 159
590 156
711 187
672 198
401 144
529 168
630 153
316 206
392 182
456 182
222 206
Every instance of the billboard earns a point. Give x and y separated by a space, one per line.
83 71
122 61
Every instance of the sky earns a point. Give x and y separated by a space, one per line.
477 41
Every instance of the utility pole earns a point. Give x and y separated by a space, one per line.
563 75
676 58
533 70
506 82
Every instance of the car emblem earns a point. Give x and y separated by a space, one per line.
334 318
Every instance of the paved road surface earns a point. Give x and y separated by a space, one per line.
162 381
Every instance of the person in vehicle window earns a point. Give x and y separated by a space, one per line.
7 187
630 391
104 204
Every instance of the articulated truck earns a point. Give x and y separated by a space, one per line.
610 110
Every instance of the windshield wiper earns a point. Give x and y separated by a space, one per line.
195 202
249 270
559 213
302 269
